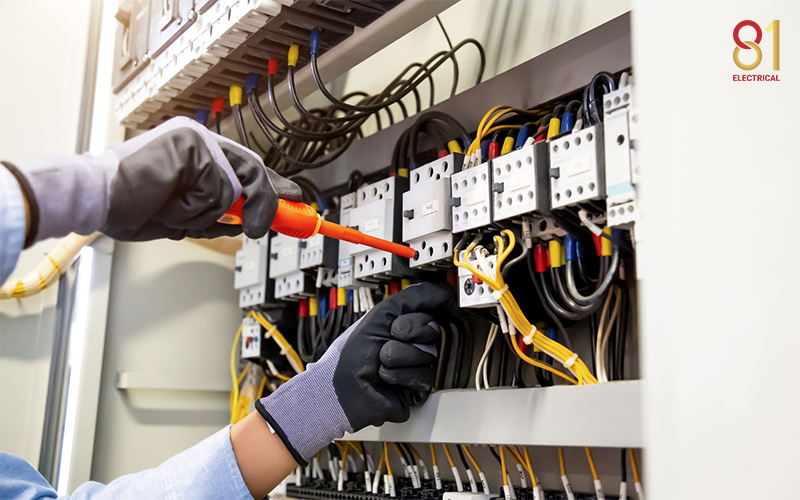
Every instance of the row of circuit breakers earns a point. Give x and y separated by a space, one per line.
441 199
173 57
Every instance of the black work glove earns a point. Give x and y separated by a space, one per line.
173 181
373 373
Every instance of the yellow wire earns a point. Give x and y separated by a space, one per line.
530 469
344 454
591 464
471 458
510 451
449 458
397 447
503 466
539 364
633 465
509 303
380 464
283 377
290 353
561 461
433 455
386 454
261 387
235 392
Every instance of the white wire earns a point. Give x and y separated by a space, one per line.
603 372
482 362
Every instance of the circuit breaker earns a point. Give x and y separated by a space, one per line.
620 156
427 222
250 276
346 277
577 168
377 214
471 198
284 268
319 250
471 293
520 182
251 338
130 48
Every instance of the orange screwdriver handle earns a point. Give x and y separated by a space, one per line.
299 220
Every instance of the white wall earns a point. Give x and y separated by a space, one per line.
43 53
172 311
719 297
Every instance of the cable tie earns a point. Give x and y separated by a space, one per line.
285 349
499 293
571 361
528 338
269 333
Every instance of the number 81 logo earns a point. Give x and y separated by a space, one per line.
774 28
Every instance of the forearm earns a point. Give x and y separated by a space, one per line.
263 459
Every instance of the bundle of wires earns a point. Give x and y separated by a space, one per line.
530 334
321 135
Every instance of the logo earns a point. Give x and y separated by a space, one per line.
754 47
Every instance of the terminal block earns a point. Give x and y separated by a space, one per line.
251 338
250 276
471 293
577 168
520 182
471 198
294 285
620 125
377 213
345 276
427 220
284 268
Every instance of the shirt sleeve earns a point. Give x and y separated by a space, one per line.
208 470
12 223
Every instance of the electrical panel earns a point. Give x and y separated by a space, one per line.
345 276
250 276
471 198
173 57
319 251
377 213
577 168
427 225
473 293
620 157
520 182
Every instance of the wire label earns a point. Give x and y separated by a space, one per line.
430 208
372 224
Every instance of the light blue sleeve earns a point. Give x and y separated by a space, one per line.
12 223
207 470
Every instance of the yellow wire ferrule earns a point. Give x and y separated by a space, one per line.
402 172
313 307
606 246
454 147
508 145
235 95
405 283
294 52
556 251
341 297
554 128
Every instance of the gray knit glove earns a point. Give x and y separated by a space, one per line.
371 374
171 182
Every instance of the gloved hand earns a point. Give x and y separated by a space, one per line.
373 373
170 182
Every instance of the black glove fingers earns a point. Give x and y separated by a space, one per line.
415 327
430 297
419 378
261 200
395 354
285 188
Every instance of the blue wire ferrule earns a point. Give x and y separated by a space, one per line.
616 236
522 136
314 41
552 334
569 248
578 250
349 296
567 122
251 82
323 305
202 117
484 151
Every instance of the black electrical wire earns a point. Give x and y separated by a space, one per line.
622 330
549 300
414 78
465 333
593 341
463 459
503 368
623 467
495 455
455 381
444 357
582 310
239 121
411 459
306 356
453 57
593 115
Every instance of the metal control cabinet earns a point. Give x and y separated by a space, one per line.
577 165
427 221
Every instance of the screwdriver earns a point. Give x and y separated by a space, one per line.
299 220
